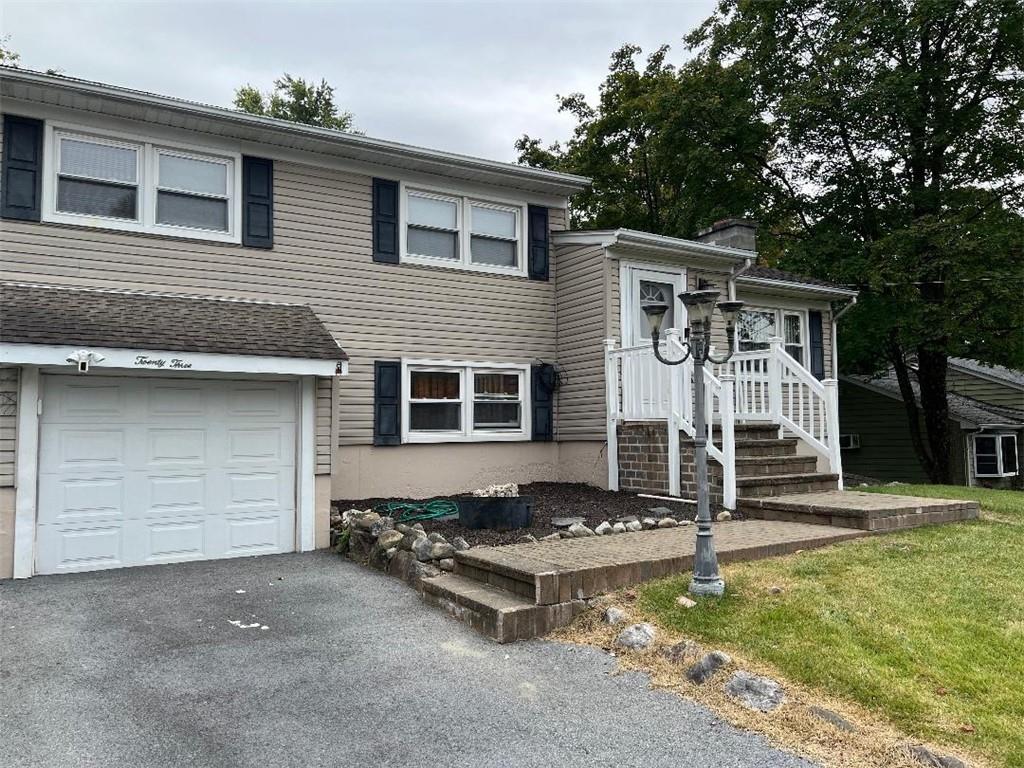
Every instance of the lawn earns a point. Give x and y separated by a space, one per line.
925 627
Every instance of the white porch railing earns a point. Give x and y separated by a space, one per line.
763 385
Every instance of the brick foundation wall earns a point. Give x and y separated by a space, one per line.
643 462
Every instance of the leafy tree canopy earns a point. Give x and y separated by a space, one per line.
295 99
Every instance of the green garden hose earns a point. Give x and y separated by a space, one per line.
413 511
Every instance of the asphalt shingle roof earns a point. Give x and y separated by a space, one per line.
960 407
770 273
38 314
1009 375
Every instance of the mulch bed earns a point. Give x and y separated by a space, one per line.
549 500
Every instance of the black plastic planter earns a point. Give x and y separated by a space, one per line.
498 514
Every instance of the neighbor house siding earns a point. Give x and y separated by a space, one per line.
8 424
985 390
322 256
582 329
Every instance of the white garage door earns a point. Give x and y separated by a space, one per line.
136 471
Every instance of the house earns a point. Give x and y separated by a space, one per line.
986 420
213 323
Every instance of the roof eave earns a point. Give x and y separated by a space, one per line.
393 153
790 285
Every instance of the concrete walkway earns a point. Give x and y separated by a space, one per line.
142 667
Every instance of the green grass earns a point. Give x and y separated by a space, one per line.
925 627
1000 502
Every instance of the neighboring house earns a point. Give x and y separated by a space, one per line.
214 323
986 410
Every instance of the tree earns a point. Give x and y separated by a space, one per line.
8 57
669 150
902 120
297 100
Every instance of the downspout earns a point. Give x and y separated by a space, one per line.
734 273
835 335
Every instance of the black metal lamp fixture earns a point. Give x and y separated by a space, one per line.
700 306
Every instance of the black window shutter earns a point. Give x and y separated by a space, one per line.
538 237
542 394
387 402
385 221
817 356
257 202
21 186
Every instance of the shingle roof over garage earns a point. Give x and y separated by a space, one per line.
52 315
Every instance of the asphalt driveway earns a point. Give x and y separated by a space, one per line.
318 662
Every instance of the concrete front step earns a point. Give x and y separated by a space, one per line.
785 446
856 509
780 485
494 612
764 466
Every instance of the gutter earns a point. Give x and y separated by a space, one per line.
835 334
337 138
738 272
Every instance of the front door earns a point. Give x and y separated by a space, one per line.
645 380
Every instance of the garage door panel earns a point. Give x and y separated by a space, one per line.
79 548
151 470
81 498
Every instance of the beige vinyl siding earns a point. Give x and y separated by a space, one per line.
8 424
324 425
987 391
322 256
582 328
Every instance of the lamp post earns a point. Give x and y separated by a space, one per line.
700 306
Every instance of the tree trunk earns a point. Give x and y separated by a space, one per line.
932 365
903 378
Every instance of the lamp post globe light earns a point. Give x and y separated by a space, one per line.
700 306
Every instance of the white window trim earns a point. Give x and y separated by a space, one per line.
464 221
466 370
780 313
998 436
146 181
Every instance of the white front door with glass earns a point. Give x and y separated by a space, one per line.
642 373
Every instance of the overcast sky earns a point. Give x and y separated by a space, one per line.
468 77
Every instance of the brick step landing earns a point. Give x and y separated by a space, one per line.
856 509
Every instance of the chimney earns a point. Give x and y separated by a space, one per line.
732 233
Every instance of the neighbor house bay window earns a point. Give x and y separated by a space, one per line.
140 186
464 402
451 230
995 455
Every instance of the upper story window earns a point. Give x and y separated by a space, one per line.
141 186
464 232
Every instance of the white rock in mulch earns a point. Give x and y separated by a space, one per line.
684 602
634 525
507 490
565 522
684 521
667 522
551 537
441 551
603 528
649 522
446 564
619 528
389 539
724 515
460 543
422 547
754 691
614 615
579 530
707 666
437 538
635 637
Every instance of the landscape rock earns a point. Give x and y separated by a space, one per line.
565 535
710 663
603 528
419 571
633 526
528 539
579 530
932 759
389 539
775 590
441 551
360 543
754 691
447 564
422 547
437 538
619 528
364 521
624 519
552 537
418 527
724 515
402 528
566 522
411 538
649 523
381 525
504 490
460 544
667 522
636 637
834 718
685 602
682 650
614 615
390 553
685 521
